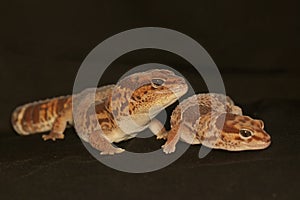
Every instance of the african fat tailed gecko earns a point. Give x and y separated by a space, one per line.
132 104
214 121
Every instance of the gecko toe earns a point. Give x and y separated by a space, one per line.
52 136
162 136
168 149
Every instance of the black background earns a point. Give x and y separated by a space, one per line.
255 44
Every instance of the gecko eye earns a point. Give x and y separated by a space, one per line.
156 82
245 133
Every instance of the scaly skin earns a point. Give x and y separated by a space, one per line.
121 110
214 121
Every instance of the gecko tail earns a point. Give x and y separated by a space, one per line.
16 119
38 117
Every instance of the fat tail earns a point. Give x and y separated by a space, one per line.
38 116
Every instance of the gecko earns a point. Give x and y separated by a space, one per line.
214 121
118 112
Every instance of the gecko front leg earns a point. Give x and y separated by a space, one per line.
172 140
101 143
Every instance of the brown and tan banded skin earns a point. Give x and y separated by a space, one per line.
41 116
214 121
117 112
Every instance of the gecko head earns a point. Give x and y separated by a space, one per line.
151 91
241 133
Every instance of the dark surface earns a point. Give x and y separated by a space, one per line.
31 168
255 45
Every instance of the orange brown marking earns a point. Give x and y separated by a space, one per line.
225 117
36 114
60 105
26 120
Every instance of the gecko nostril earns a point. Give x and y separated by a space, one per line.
266 139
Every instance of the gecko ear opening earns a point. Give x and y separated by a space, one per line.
261 123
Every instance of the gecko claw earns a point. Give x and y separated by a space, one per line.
53 136
168 148
162 136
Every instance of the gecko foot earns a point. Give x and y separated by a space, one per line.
163 134
53 136
112 151
168 148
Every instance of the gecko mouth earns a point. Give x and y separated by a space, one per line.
178 91
263 146
258 146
